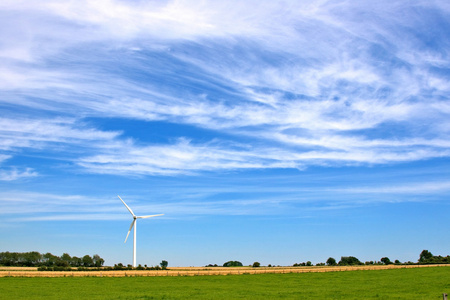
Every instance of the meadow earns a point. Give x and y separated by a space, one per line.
415 283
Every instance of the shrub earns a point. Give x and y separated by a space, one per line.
231 263
386 260
331 261
349 261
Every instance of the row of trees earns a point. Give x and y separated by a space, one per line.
116 267
162 266
48 260
426 257
36 259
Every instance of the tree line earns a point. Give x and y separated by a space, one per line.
425 257
36 259
49 261
162 266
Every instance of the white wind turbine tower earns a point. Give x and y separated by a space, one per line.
133 223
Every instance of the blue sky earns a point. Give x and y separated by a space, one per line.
277 132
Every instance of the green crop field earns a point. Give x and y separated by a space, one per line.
420 283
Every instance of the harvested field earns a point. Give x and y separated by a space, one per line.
194 271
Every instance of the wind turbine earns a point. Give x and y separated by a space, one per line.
133 223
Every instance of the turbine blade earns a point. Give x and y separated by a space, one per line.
151 216
132 213
131 227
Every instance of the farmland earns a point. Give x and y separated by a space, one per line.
399 283
193 271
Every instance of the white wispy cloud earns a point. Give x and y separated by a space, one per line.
4 157
14 174
209 200
187 158
10 174
24 202
408 189
317 83
16 133
182 157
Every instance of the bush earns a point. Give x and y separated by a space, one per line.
331 261
164 264
386 260
211 265
232 264
349 261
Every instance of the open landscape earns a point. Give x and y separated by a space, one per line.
424 282
295 149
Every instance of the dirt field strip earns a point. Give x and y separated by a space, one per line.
195 271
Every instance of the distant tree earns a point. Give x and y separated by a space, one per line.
256 264
386 260
232 263
50 259
61 263
8 258
349 261
164 264
98 261
397 262
212 265
331 261
88 261
308 263
425 255
76 261
66 257
31 259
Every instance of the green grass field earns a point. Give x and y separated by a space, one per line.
420 283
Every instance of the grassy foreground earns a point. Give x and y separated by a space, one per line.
420 283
